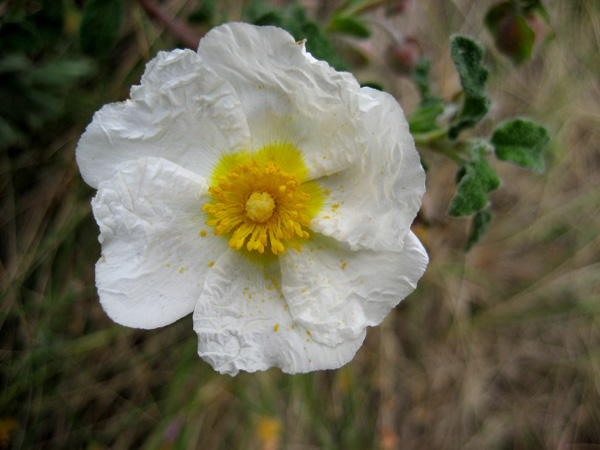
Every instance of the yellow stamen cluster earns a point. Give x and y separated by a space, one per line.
261 205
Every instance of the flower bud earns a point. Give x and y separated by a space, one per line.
512 36
515 35
403 57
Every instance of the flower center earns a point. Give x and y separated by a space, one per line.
261 205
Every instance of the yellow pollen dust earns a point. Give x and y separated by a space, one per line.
261 205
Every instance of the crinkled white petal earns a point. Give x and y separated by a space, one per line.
243 323
374 201
335 293
182 111
287 94
154 259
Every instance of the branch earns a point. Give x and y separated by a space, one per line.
177 28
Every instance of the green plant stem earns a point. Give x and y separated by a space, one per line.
449 152
436 141
361 8
430 137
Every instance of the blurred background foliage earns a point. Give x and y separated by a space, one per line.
497 349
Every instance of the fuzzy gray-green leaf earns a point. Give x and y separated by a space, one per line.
473 110
521 142
467 56
473 187
479 226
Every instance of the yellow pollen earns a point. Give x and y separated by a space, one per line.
260 206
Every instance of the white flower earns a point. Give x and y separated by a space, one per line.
260 189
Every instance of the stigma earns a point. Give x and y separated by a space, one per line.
260 206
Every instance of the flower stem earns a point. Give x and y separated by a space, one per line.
430 137
436 141
449 152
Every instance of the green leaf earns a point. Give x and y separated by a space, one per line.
479 226
476 181
467 56
62 73
32 94
350 26
14 63
473 110
521 142
373 85
259 12
423 119
421 78
100 26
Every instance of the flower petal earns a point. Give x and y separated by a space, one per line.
154 257
373 202
182 111
287 94
335 293
243 323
